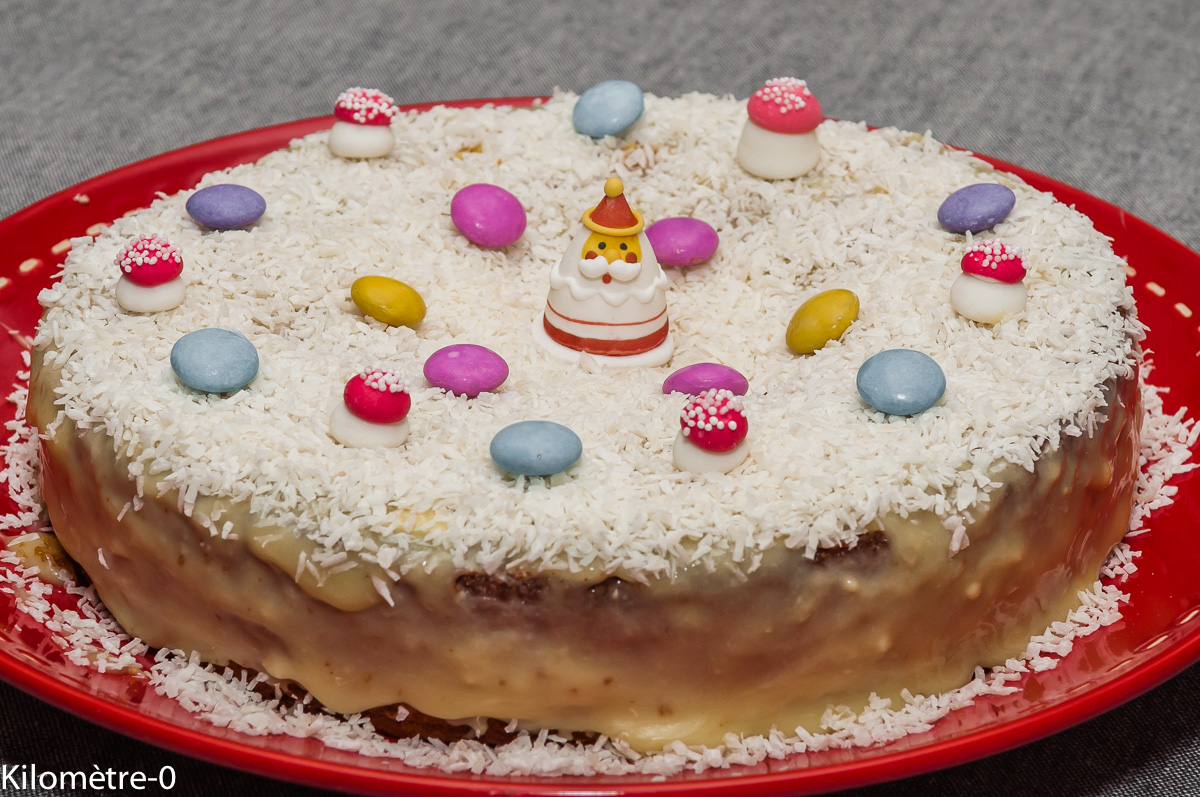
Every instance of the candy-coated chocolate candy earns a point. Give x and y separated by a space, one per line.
822 318
214 360
388 300
608 108
487 215
695 379
378 395
995 260
901 381
682 241
226 206
536 448
715 421
149 260
976 207
466 369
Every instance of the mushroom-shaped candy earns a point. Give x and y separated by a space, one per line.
373 412
779 141
990 287
712 435
150 282
363 126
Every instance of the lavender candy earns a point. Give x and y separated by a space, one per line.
226 206
976 207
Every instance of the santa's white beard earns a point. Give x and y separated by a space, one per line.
638 281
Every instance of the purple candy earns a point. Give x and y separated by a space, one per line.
226 206
682 241
488 215
976 207
466 369
695 379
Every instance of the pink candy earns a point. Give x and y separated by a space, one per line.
785 105
378 396
715 420
487 215
365 107
149 260
995 260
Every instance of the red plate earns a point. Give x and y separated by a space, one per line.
1158 636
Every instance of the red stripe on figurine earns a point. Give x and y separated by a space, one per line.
612 348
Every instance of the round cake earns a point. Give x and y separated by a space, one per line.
853 549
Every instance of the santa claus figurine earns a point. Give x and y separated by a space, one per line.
608 295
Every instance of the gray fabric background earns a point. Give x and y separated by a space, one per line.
1104 96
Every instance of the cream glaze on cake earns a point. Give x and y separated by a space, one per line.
282 551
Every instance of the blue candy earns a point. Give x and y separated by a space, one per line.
536 448
901 381
976 207
608 108
214 360
226 206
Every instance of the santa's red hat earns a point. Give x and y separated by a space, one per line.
613 216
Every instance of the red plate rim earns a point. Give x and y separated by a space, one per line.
45 225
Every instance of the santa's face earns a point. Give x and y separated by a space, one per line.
613 248
615 267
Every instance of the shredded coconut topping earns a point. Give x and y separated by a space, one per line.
865 220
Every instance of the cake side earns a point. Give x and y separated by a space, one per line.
636 662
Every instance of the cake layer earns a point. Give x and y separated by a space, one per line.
689 658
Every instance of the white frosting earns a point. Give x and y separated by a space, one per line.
777 156
986 301
150 298
348 140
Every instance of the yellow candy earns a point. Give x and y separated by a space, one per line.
821 319
388 300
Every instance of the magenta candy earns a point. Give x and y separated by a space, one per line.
682 241
488 215
466 369
695 379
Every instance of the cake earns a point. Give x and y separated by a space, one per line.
852 551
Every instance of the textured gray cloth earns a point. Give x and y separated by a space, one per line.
1104 96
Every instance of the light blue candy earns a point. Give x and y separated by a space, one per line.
214 360
536 448
608 108
901 381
